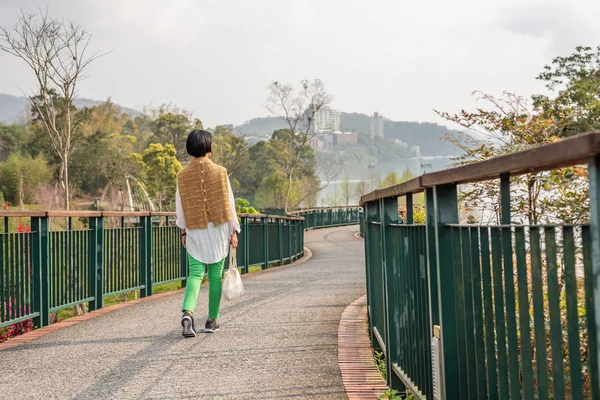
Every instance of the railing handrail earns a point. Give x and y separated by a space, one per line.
570 151
89 214
324 209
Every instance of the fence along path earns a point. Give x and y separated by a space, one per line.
490 294
278 341
50 261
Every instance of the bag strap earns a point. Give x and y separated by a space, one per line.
232 257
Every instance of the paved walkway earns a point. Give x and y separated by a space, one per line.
279 341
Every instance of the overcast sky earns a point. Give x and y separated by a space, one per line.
400 58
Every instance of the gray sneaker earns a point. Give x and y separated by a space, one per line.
211 326
187 322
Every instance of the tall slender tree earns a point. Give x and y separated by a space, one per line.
57 53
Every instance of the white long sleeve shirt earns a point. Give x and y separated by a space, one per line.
211 244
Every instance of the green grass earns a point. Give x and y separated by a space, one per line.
120 298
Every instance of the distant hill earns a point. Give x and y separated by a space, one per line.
428 136
13 109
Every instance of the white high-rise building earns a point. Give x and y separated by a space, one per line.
377 125
326 120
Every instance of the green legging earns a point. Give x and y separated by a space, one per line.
215 282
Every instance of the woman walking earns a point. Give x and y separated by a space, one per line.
206 215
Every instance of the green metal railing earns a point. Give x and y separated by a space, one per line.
316 218
514 307
50 261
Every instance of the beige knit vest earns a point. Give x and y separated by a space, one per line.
204 193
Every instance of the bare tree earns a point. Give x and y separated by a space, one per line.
328 168
298 110
346 190
57 53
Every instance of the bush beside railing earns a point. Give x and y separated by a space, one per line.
509 327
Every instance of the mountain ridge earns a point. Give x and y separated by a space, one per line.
426 135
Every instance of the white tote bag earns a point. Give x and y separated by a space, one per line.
232 284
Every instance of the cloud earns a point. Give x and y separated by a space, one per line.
564 25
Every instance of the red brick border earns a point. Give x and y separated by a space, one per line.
28 337
361 377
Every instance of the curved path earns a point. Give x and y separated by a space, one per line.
279 341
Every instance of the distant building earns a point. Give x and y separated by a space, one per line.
326 119
316 143
345 138
402 144
377 125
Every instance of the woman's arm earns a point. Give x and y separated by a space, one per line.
233 223
180 222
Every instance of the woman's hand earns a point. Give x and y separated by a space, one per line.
234 240
183 241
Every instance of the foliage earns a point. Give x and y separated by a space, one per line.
20 176
575 80
161 167
390 394
172 127
298 109
380 361
57 53
242 206
517 126
230 150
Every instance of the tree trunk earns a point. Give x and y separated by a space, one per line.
289 190
21 196
66 180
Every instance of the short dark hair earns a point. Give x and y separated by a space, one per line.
198 143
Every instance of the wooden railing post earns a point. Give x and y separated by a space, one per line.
96 263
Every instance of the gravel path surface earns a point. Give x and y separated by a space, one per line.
279 341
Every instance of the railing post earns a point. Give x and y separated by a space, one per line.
146 256
388 216
96 263
183 262
371 215
301 234
290 248
594 304
446 212
245 231
40 271
509 292
434 311
280 233
265 222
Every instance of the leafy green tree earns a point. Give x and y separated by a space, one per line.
230 150
242 206
272 191
390 179
13 139
574 81
173 128
20 176
162 167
